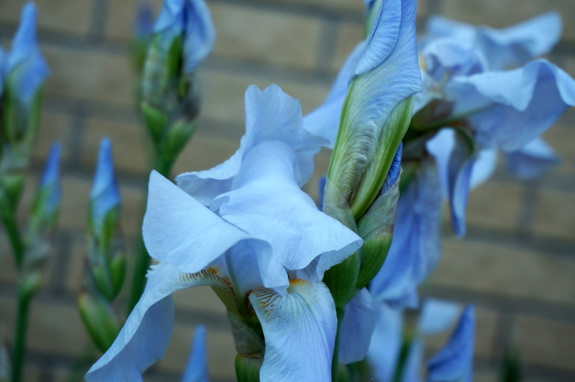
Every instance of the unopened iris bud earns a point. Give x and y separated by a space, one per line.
48 198
100 320
105 196
26 72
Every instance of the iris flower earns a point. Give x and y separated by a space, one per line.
488 105
246 229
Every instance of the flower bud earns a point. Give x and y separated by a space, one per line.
100 321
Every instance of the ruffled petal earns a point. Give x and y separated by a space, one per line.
268 204
455 361
146 333
509 109
299 329
357 327
197 367
179 230
271 115
532 160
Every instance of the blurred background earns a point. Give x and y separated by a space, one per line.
517 262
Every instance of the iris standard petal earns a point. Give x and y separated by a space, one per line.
508 109
146 333
455 361
197 367
271 115
268 204
532 160
299 329
200 34
357 328
181 231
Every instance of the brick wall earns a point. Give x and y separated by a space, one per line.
517 263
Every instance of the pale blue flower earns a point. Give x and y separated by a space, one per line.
191 20
26 69
105 194
197 367
495 108
246 229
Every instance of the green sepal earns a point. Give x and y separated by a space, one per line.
100 321
156 121
21 121
177 137
29 284
44 216
104 234
248 369
117 273
376 228
341 279
103 281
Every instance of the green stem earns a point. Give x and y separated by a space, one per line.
13 234
19 353
335 359
164 167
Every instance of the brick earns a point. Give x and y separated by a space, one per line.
54 328
67 16
336 5
53 127
204 152
220 351
506 271
555 215
129 144
560 138
266 37
494 205
486 325
545 343
506 13
224 94
200 299
89 75
348 35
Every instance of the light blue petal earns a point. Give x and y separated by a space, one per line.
105 194
485 165
507 47
200 34
146 333
170 22
197 367
531 160
437 316
271 115
299 329
415 247
448 58
26 68
357 327
511 108
179 230
385 342
461 164
267 203
455 361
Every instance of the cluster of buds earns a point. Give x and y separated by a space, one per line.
107 262
181 39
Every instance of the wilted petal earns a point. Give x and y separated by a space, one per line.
357 327
531 160
271 115
299 329
511 108
268 204
197 367
26 68
455 361
179 230
146 333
